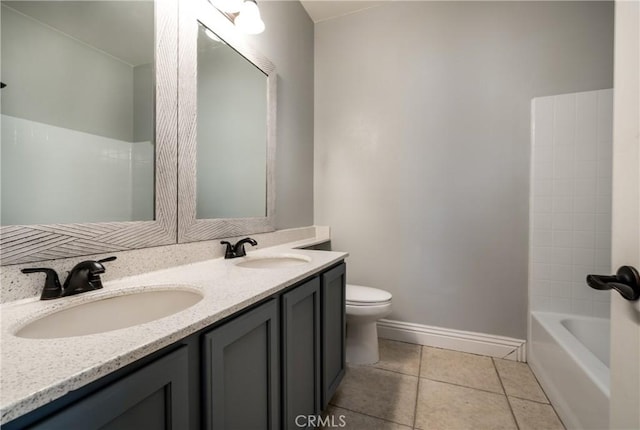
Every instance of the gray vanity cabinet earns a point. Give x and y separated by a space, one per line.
313 357
301 352
258 369
241 371
333 286
154 397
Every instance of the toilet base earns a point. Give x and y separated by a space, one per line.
362 342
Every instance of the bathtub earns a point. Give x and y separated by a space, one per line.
569 354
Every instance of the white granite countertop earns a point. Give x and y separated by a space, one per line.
34 372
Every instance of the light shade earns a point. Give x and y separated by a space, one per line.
228 6
249 19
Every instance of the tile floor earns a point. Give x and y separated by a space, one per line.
419 387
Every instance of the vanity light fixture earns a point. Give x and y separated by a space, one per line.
227 6
244 14
249 19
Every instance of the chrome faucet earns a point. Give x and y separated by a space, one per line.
85 276
237 250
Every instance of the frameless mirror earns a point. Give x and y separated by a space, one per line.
89 127
231 156
226 135
77 112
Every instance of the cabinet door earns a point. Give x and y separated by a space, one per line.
301 352
154 397
333 283
241 368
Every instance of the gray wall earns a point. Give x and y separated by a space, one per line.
232 134
143 152
422 113
288 43
54 79
143 98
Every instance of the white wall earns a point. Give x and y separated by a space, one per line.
422 115
570 209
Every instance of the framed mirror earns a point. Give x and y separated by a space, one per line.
89 119
226 136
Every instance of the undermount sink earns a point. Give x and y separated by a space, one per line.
274 261
110 313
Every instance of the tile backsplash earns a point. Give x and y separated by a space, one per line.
570 211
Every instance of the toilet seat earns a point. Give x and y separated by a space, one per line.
357 295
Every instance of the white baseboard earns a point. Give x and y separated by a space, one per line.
457 340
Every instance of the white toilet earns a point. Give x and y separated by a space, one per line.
364 307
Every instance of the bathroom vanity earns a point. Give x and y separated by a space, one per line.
263 346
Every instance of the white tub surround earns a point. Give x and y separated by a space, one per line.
569 355
34 372
570 208
570 237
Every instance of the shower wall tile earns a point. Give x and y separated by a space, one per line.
605 116
582 307
570 211
559 305
541 255
562 238
584 239
544 221
45 178
584 205
561 255
602 309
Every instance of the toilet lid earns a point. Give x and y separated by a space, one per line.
360 294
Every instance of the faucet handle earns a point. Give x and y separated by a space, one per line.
52 288
94 275
104 260
85 276
229 251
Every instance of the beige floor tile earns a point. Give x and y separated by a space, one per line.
535 416
399 357
379 393
444 406
518 380
349 420
460 368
